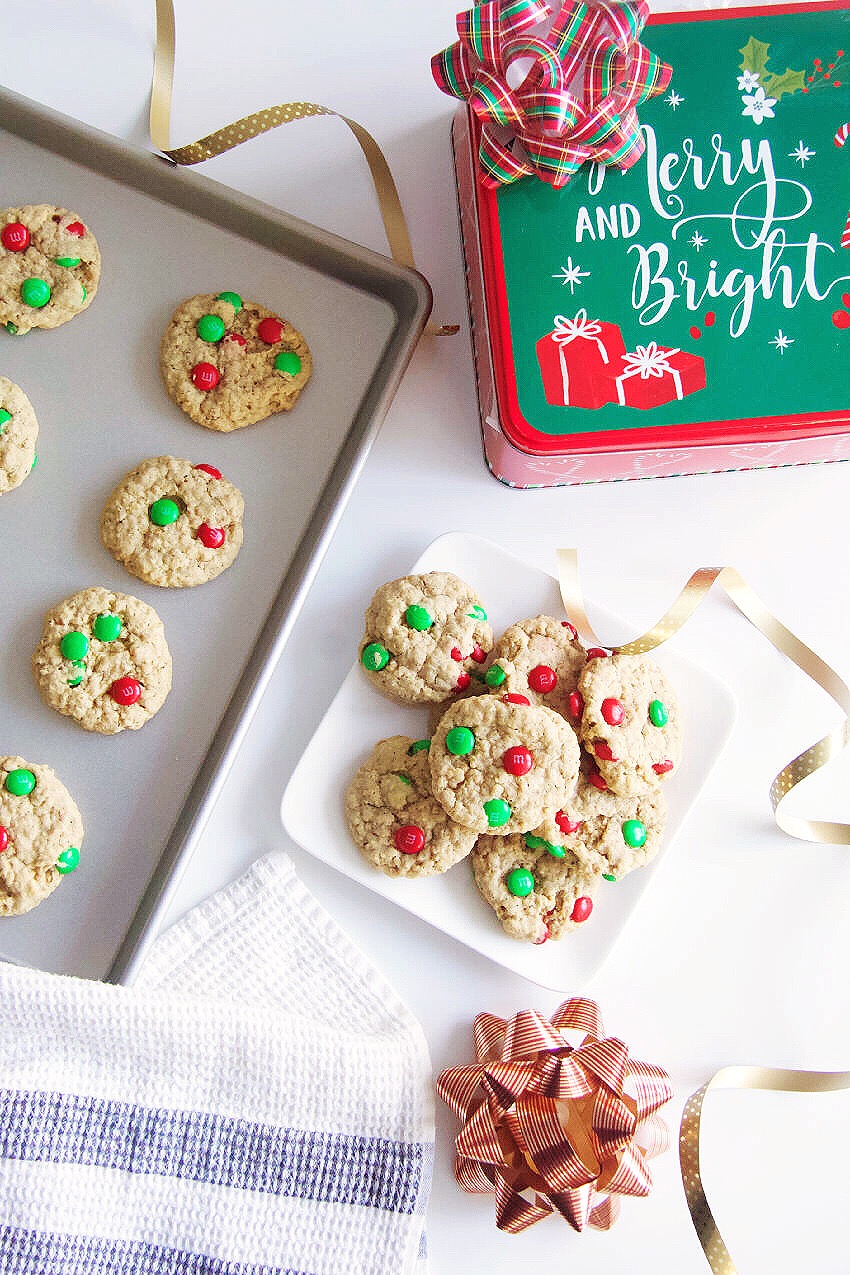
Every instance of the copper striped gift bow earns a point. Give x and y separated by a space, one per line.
586 74
552 1126
242 130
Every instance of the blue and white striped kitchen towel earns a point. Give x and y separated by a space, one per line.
258 1103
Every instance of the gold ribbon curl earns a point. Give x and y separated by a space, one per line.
772 1078
232 135
751 606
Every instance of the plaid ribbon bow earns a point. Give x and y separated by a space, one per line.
555 1127
585 73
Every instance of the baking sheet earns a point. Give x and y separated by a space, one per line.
166 234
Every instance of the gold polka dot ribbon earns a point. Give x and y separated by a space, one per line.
771 1078
225 139
751 606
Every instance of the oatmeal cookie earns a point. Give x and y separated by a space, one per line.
49 267
41 834
536 893
18 432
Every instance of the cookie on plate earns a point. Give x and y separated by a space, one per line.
536 893
500 767
608 834
631 722
424 636
172 523
41 834
18 432
394 821
103 660
49 267
229 363
540 658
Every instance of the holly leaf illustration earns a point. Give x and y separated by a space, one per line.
788 82
755 55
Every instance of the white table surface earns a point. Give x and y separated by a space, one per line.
739 952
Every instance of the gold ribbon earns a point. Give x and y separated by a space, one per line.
772 1078
751 606
225 139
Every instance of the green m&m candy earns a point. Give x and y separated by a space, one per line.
107 627
498 812
20 783
74 646
35 293
210 328
534 843
419 746
557 852
520 882
375 657
11 328
608 876
34 459
68 860
67 262
418 618
164 512
232 298
4 418
460 741
495 675
288 362
658 713
634 833
478 613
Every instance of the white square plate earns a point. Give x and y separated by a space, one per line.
312 808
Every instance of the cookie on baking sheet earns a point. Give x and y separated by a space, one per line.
537 892
41 834
500 767
229 363
103 660
49 267
631 722
394 821
540 658
608 834
424 636
173 523
18 432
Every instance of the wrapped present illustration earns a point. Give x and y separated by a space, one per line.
573 358
654 374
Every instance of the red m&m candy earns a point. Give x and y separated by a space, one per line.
478 655
565 624
15 236
596 653
603 751
516 699
613 712
517 760
456 654
582 909
463 681
4 838
575 704
126 691
662 767
211 537
270 330
236 338
77 229
594 778
409 839
542 679
205 376
566 824
209 469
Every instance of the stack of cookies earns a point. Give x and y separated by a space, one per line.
544 767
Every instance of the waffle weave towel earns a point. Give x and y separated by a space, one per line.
258 1103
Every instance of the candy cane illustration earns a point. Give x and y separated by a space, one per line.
840 138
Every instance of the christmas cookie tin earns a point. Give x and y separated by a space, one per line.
693 312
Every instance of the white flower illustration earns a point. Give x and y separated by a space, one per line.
758 106
748 81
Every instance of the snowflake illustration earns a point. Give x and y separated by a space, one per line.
571 274
802 153
748 81
758 105
697 240
781 341
674 100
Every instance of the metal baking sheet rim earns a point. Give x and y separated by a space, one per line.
409 295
